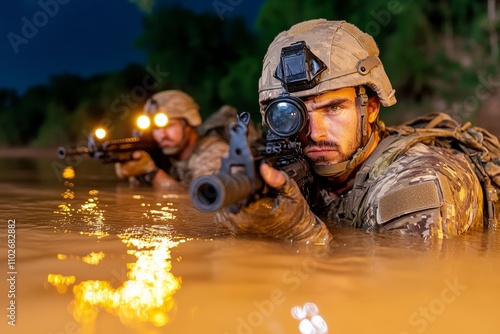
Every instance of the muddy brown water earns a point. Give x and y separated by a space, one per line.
92 255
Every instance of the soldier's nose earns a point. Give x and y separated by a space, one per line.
317 130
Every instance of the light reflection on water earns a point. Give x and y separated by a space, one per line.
146 295
96 256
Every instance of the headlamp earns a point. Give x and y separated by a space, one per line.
160 120
286 115
152 115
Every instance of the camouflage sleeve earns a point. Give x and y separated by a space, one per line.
286 217
430 191
207 159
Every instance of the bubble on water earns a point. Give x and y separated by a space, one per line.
320 324
311 309
306 327
310 320
298 313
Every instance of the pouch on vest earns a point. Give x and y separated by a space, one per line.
481 147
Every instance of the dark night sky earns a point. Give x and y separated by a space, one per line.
82 37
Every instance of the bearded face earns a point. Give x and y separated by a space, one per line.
171 138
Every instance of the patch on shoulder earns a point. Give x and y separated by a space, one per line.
410 199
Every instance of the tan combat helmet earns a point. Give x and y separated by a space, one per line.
350 56
174 104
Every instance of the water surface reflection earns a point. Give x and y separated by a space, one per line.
95 256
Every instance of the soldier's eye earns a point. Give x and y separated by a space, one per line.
334 109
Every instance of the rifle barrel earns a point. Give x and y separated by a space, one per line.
63 152
213 192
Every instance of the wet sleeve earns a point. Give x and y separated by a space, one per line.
430 191
285 217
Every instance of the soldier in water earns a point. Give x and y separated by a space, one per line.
187 152
365 175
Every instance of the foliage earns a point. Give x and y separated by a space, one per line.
436 54
197 51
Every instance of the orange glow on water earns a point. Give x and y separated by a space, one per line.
68 173
147 294
93 258
60 282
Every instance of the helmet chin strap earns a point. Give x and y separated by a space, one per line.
340 168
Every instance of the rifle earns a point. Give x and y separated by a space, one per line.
238 182
109 151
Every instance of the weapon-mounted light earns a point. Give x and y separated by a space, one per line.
143 122
100 133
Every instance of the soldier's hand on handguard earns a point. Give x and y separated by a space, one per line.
141 164
286 216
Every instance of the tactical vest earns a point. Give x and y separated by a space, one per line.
183 171
481 148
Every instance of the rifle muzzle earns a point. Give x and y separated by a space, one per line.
213 192
63 152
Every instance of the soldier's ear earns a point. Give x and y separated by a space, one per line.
373 109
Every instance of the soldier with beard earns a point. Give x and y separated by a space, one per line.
186 152
366 175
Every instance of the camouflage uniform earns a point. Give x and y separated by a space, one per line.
204 159
415 187
427 190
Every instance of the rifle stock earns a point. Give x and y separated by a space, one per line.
238 181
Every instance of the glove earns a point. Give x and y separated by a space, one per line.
286 216
142 163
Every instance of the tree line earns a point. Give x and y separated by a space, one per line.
440 56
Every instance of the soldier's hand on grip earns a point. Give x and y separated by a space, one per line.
141 164
285 216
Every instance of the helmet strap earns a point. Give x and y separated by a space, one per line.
340 168
362 101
